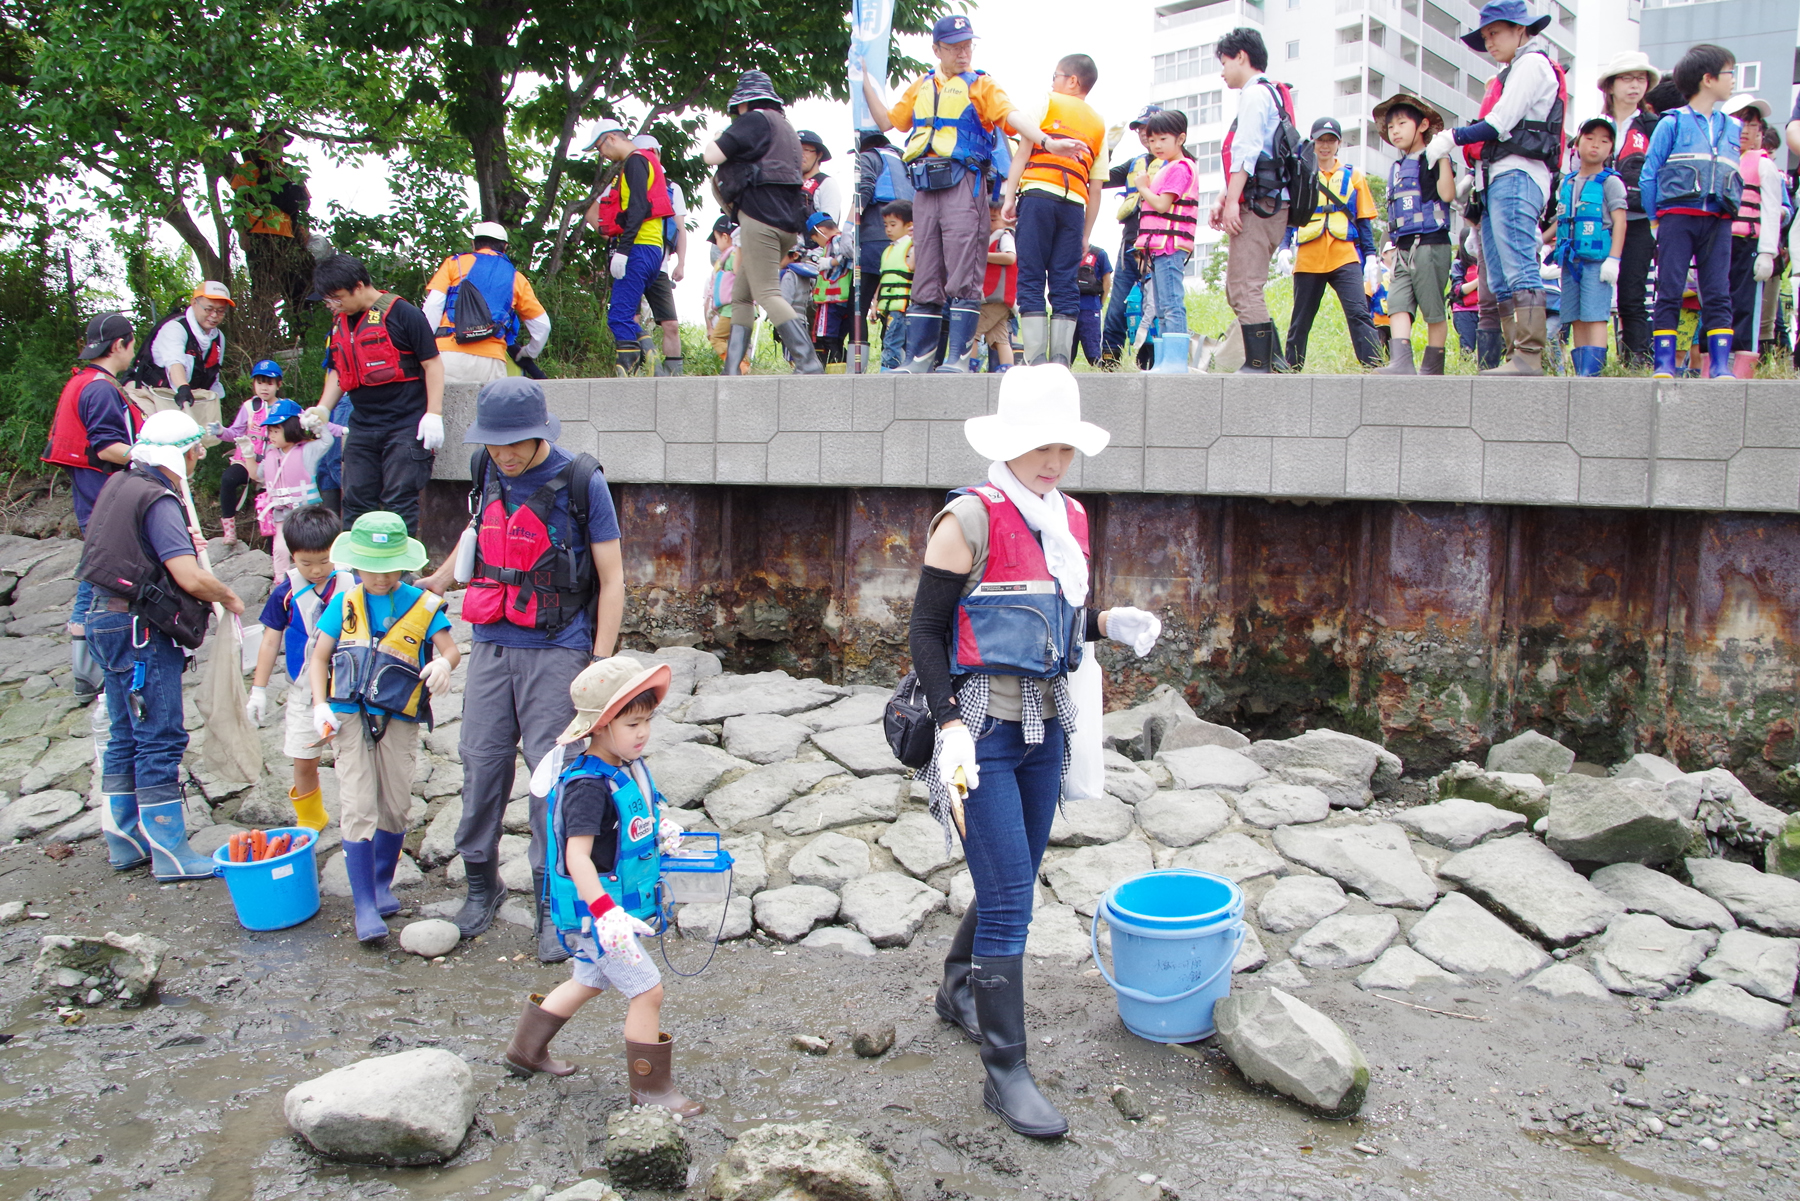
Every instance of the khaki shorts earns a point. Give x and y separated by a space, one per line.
298 735
995 324
1421 282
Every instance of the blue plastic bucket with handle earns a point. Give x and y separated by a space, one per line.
273 894
1175 934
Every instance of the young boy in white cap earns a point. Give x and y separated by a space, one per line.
608 829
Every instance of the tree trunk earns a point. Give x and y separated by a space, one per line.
212 264
484 121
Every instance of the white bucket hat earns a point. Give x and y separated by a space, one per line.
1039 406
165 440
1624 63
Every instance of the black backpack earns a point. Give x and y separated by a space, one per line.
1293 167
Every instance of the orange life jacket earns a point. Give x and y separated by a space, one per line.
1068 117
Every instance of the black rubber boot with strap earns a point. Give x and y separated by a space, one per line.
955 999
486 895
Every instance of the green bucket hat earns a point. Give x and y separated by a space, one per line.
378 542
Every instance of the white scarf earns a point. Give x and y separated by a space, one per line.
1049 516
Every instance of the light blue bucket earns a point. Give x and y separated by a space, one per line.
273 894
1175 934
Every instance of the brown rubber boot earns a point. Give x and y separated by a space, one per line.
653 1077
529 1050
1433 362
1528 339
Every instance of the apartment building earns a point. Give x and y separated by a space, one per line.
1762 34
1342 56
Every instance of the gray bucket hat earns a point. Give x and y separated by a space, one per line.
754 85
511 410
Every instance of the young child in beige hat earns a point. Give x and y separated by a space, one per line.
607 832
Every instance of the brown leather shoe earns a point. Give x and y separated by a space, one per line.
529 1050
652 1077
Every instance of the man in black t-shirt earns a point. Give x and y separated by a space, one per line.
396 384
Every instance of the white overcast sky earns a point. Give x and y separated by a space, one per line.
1018 43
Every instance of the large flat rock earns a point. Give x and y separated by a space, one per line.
1211 767
1525 880
1237 857
862 749
1183 817
1614 821
1375 860
1080 877
763 790
1645 890
1756 963
406 1109
1644 956
1346 940
1462 937
1730 1003
1294 1049
1457 823
686 772
1299 902
848 803
1769 903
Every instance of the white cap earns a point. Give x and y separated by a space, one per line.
165 439
489 229
1039 406
645 142
597 133
1743 102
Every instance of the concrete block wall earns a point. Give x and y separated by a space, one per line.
1629 443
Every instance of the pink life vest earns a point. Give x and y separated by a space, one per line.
1016 621
1748 222
289 485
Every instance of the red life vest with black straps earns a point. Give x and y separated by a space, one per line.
363 352
610 209
1539 140
526 571
1015 621
68 444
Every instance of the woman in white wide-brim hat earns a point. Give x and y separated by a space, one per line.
1000 619
1624 83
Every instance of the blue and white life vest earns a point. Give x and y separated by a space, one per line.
1016 621
304 604
1583 233
634 881
1413 205
890 177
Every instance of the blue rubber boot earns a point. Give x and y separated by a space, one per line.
1171 355
1718 354
359 863
1587 359
387 858
126 846
1662 355
165 829
960 343
922 330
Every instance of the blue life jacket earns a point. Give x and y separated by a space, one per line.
492 275
891 182
1016 621
636 876
1701 172
1583 233
304 605
1413 204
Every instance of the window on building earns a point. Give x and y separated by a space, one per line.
1377 84
1440 20
1206 200
1206 156
1349 35
1749 77
1475 89
1410 7
1353 136
1182 64
1293 49
1377 33
1349 87
1440 69
1409 52
1185 105
1565 18
1208 110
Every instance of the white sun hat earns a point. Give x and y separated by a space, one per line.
1039 406
165 440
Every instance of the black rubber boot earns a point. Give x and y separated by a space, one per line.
1259 339
550 948
955 1000
999 988
737 346
798 341
486 895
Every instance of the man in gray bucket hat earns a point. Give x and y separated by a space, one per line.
546 590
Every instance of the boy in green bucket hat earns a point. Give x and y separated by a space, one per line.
372 670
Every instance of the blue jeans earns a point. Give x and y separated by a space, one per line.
1008 819
144 752
1125 278
1167 274
893 341
1050 250
1465 321
641 263
1509 235
84 597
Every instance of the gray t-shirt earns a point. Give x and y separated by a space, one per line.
971 514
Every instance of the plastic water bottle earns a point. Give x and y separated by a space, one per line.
465 557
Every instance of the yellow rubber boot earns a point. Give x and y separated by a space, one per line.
309 810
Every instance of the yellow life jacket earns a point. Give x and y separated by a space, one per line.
894 287
947 124
382 674
1128 200
1331 211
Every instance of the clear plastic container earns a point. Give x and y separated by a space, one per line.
699 872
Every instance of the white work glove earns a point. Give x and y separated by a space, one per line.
215 429
1550 271
1372 273
617 932
1439 148
435 675
313 421
431 431
325 721
1765 268
670 830
1136 628
956 748
617 264
257 707
1284 260
1609 271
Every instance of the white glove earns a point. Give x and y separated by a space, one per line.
671 830
1765 268
257 707
1136 628
1550 271
1439 148
431 431
313 421
1372 272
617 933
1609 271
435 676
956 748
325 721
215 429
1284 259
617 264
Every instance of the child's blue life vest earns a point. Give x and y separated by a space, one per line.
1708 181
1413 205
305 603
634 881
1583 233
891 182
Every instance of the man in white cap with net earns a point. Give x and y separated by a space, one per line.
476 302
151 602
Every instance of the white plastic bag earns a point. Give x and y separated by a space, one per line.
1087 768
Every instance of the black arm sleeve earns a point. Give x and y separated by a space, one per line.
1091 632
934 609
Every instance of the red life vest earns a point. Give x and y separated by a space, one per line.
1538 140
1001 280
1748 222
1015 621
525 571
68 443
364 355
611 208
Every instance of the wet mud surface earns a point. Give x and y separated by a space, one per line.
181 1099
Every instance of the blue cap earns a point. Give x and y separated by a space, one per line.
1514 11
817 219
1143 118
280 411
951 30
266 367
